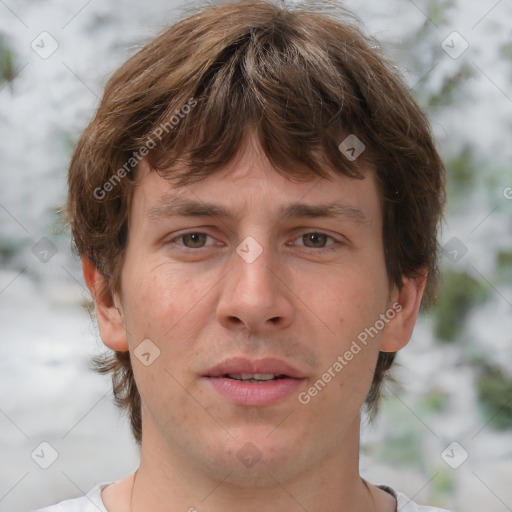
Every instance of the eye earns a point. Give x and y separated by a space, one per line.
317 240
313 240
192 240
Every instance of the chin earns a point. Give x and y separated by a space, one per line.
255 458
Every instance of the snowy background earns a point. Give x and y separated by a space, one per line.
444 436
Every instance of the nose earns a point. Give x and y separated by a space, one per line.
255 295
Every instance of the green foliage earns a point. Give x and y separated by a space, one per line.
442 486
494 389
434 402
9 248
461 171
436 10
7 64
461 167
504 266
506 51
403 443
451 86
401 447
461 292
425 42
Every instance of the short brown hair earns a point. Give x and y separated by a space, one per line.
303 77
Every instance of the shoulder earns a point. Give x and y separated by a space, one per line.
405 504
90 502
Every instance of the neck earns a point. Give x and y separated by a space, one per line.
167 476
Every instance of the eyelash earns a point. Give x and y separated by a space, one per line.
320 250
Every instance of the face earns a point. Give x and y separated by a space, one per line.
257 280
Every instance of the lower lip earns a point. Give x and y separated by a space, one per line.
255 393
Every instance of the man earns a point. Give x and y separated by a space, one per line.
256 204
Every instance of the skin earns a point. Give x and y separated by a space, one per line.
199 302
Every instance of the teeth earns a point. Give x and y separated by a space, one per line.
252 376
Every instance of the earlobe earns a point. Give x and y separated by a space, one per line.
109 312
398 331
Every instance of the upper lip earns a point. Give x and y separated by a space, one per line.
251 366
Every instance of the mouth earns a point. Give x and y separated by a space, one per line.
241 368
254 382
255 377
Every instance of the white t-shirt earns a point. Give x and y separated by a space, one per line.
92 502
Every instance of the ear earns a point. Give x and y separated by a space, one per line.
406 305
109 312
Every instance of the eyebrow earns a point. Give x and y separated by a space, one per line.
192 208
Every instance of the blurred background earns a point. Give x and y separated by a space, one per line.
444 434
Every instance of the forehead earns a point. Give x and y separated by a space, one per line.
249 184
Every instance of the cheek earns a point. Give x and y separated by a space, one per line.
161 298
348 303
348 308
165 308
